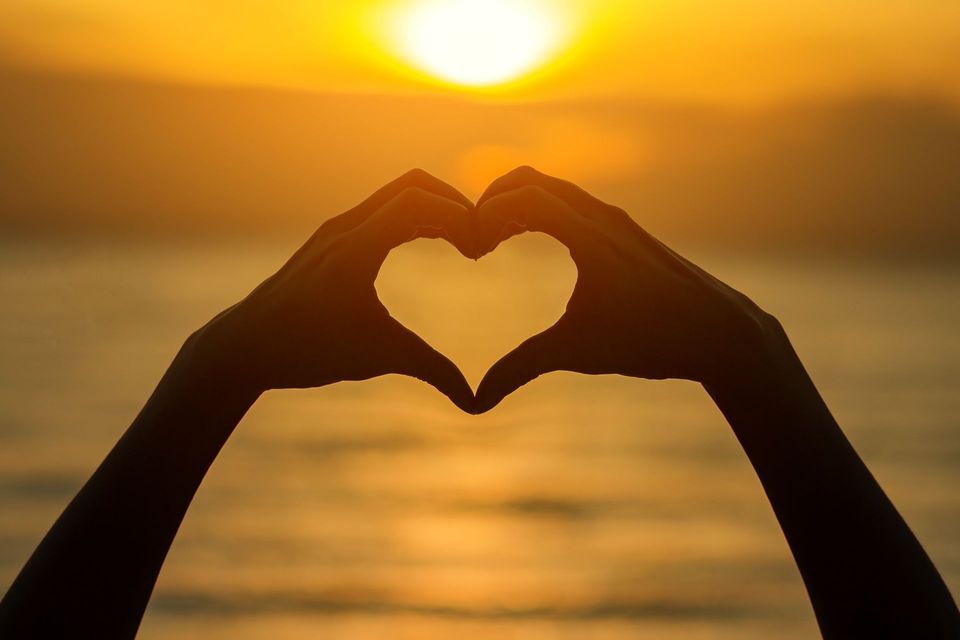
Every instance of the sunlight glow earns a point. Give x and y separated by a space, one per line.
478 42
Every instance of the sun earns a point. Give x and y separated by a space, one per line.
478 43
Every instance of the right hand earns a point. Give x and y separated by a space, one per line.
638 309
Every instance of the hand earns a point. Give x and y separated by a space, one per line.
318 319
638 309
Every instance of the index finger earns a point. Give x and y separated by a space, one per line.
530 208
353 218
416 213
413 179
528 176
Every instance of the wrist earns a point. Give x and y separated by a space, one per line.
204 372
766 369
215 359
758 350
767 391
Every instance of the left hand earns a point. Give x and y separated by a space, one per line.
318 320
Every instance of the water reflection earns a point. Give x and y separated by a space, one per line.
581 508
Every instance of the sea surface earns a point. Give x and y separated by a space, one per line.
587 508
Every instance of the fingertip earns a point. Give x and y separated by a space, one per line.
486 400
419 360
465 402
536 356
497 219
454 386
459 392
461 233
524 208
414 213
506 376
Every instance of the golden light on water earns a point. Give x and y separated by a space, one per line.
478 43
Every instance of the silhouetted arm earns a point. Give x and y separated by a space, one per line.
865 571
639 309
93 573
315 322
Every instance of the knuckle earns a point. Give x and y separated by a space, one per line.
342 246
416 175
325 229
525 172
619 214
521 196
528 191
410 195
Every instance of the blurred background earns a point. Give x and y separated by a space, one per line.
159 159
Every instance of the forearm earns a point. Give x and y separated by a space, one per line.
864 570
95 570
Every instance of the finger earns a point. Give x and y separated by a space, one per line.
415 213
529 208
584 203
543 353
412 356
415 178
338 225
570 193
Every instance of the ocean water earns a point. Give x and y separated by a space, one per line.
583 507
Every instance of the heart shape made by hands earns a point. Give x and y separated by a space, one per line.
470 310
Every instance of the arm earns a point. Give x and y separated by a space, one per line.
315 322
639 309
865 571
94 571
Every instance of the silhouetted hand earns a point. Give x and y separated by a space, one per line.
638 309
314 322
318 320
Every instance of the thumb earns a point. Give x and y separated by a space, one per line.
417 359
536 356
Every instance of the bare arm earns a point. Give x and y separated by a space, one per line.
639 309
315 322
865 571
93 573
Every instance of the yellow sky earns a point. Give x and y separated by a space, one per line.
739 51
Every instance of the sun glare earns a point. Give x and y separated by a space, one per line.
478 43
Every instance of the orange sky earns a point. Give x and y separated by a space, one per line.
746 51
